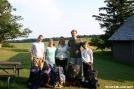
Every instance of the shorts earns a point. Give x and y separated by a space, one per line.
38 62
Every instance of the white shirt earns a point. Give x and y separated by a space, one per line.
62 51
37 49
87 55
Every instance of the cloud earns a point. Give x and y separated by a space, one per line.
44 8
41 16
53 18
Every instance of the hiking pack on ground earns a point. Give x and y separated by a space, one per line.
72 74
34 75
34 81
91 80
57 78
46 72
53 77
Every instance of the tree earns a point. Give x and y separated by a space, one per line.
95 41
116 13
9 27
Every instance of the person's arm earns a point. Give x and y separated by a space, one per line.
31 53
69 47
82 55
43 50
81 42
56 51
69 43
91 56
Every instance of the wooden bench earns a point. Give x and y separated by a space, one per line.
18 69
8 79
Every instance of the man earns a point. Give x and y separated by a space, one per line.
37 53
75 51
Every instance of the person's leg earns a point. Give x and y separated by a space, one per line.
84 70
73 60
79 62
40 64
35 62
91 67
57 62
64 64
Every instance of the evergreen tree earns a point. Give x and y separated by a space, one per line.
116 13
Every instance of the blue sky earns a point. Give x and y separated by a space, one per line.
55 18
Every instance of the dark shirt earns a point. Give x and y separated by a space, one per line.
75 48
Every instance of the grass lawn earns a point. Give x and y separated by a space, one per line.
111 73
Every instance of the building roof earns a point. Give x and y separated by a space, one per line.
125 32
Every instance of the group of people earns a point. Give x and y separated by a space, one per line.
58 55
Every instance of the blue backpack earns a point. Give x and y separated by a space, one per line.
34 75
91 80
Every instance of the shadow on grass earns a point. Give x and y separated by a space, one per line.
110 69
19 50
24 58
15 49
20 83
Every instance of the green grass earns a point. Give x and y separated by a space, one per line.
110 72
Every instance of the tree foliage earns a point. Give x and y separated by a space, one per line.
9 26
99 43
114 15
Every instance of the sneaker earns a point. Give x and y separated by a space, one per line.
58 85
48 86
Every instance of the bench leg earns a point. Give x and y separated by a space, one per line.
8 82
18 72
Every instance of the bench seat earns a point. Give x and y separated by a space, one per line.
8 75
8 79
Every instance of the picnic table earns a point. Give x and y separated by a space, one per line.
7 74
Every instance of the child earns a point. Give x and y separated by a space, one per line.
87 58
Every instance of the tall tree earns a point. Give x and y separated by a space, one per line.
9 27
116 13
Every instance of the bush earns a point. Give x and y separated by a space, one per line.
6 44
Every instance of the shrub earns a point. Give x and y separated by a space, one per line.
6 44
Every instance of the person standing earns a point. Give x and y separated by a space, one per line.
37 53
61 54
87 58
75 51
50 53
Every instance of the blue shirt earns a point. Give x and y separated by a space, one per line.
50 54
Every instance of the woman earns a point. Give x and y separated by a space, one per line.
61 54
50 53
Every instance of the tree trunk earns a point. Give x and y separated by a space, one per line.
0 44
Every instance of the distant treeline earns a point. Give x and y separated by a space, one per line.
47 39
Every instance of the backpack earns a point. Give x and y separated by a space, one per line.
91 80
57 77
46 74
72 72
34 74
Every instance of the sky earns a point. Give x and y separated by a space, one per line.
55 18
